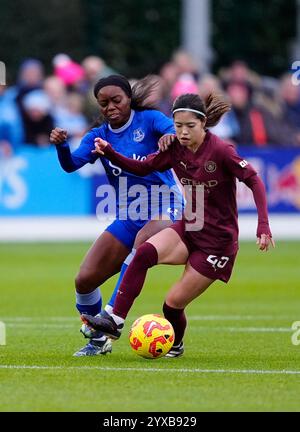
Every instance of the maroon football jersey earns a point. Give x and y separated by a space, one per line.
216 166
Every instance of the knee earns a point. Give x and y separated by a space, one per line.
141 237
146 256
175 301
84 282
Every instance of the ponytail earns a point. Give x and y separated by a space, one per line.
213 108
145 93
216 107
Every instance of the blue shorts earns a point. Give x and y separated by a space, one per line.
126 230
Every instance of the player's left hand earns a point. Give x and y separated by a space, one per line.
265 242
165 142
100 145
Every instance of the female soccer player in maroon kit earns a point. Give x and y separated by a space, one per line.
208 245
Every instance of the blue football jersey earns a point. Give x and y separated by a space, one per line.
136 139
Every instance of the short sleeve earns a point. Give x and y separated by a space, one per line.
236 165
162 124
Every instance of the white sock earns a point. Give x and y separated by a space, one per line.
118 320
109 309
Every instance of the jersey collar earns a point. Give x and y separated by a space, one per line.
126 125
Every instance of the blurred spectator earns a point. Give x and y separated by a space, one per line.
290 95
185 83
70 72
239 71
209 84
71 118
56 91
66 108
265 111
267 96
168 74
5 144
228 127
30 77
11 128
38 122
185 64
13 116
257 126
95 68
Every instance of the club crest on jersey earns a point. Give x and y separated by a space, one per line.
210 167
138 135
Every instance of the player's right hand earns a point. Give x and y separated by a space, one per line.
58 136
165 142
265 242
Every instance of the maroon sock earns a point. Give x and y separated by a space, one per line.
134 278
178 320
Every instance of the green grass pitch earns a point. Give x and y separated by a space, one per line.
239 353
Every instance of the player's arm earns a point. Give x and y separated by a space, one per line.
245 172
154 162
264 234
71 162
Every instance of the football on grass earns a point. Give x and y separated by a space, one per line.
151 336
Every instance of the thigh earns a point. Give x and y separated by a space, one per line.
191 286
170 247
150 229
125 231
104 258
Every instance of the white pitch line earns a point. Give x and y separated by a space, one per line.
201 329
168 370
246 329
242 317
38 326
191 318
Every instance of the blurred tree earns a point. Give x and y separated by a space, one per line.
259 32
33 28
135 37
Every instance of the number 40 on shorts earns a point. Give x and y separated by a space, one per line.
218 262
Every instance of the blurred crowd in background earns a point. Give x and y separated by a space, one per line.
265 111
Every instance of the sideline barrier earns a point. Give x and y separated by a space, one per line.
39 201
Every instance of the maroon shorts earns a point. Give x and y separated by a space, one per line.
213 266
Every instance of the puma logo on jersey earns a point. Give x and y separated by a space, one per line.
184 165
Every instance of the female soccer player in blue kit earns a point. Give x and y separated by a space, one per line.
134 129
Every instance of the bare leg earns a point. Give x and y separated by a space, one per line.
191 286
103 260
166 247
150 229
